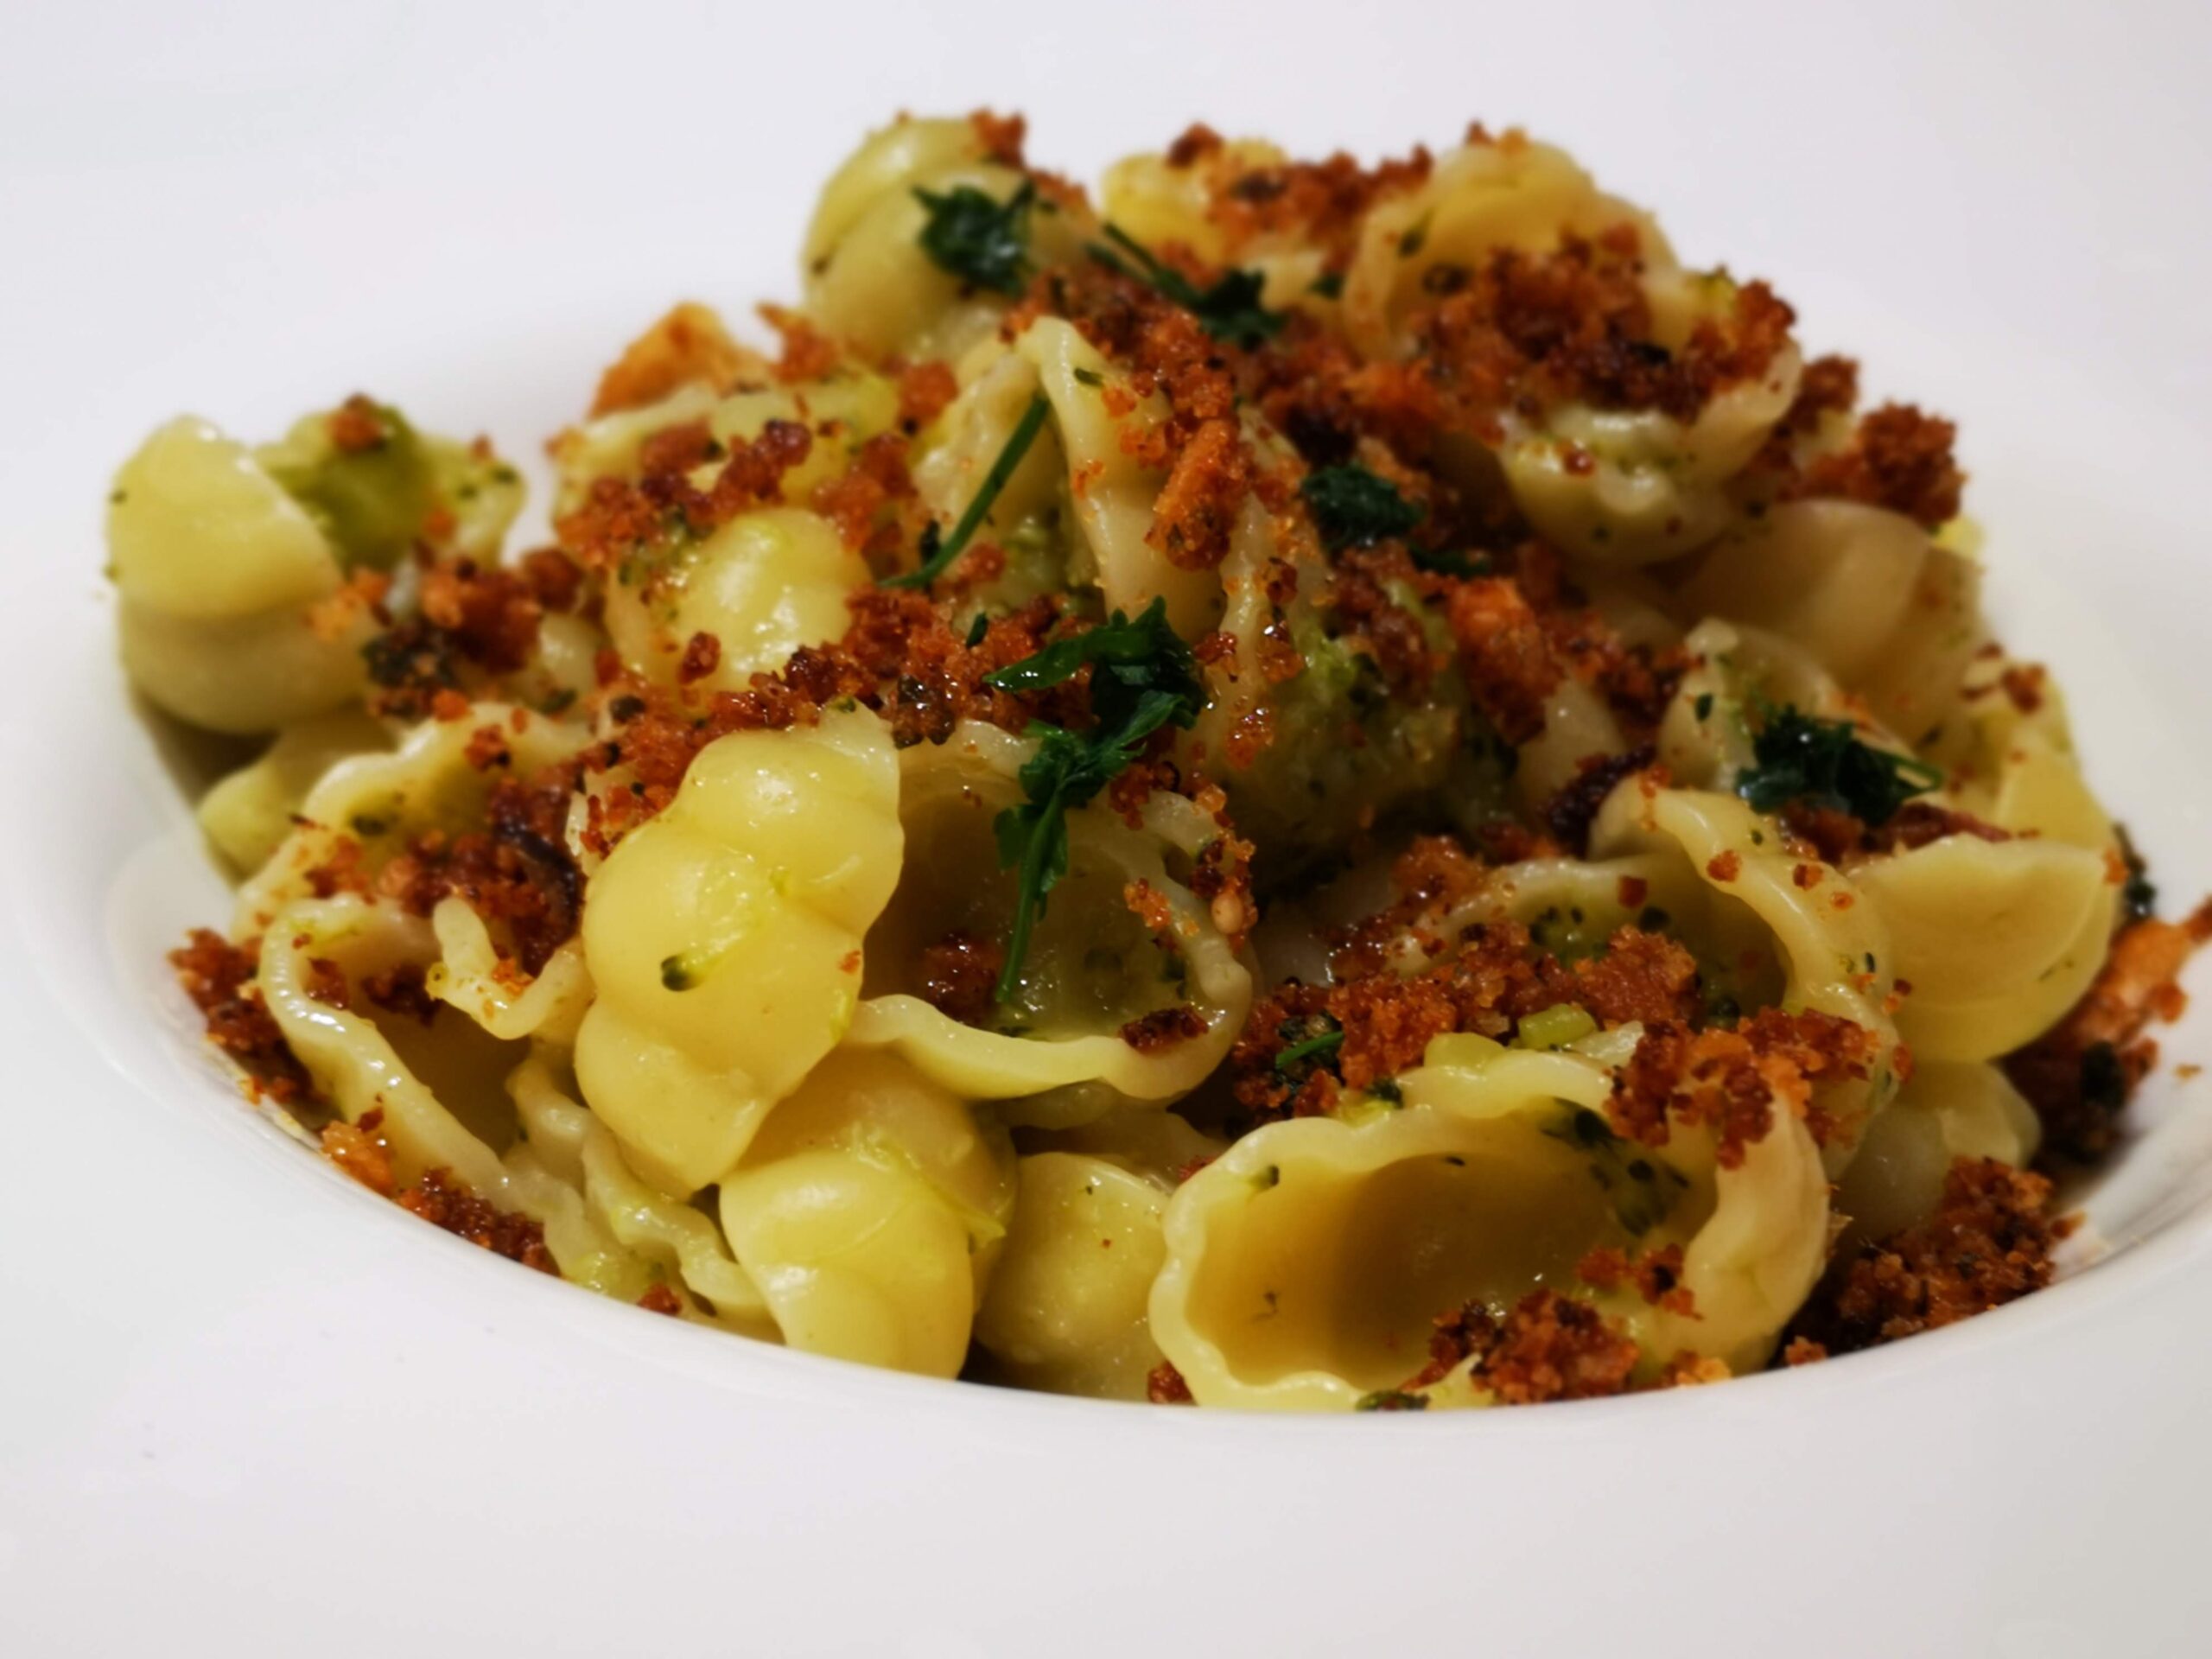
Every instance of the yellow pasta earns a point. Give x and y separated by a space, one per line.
723 941
870 1210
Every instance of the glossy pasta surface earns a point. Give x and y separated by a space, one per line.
1290 784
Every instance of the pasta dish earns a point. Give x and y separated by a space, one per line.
1300 785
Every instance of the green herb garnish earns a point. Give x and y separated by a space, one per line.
1330 285
938 552
1823 763
1353 507
1303 1056
978 238
1142 678
1229 308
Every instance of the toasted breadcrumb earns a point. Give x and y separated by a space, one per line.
218 976
443 1202
661 1299
361 1153
1547 1347
1733 1080
1496 977
688 346
958 975
2079 1075
1163 1386
1989 1242
1900 459
1163 1028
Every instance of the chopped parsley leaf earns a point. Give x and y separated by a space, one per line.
1352 506
1142 678
939 552
1311 1052
982 241
1798 757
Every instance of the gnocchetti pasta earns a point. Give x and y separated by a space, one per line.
1296 785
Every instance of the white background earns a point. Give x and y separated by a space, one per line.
240 1412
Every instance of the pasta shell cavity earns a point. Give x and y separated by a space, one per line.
723 938
1054 1055
1306 1267
1764 925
